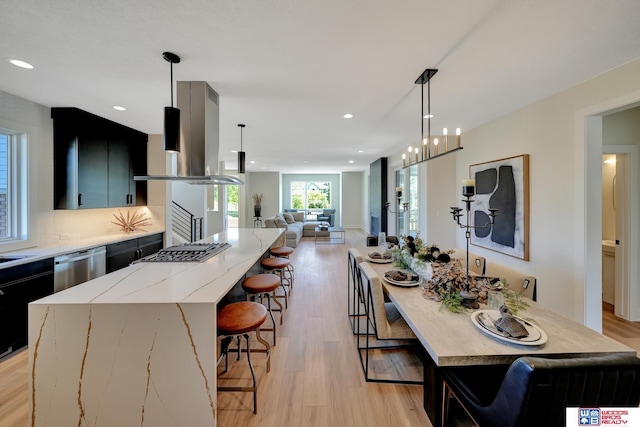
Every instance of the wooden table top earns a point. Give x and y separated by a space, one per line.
451 339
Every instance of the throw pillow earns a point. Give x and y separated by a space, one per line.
289 218
298 216
280 222
270 222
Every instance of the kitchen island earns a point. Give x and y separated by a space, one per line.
137 346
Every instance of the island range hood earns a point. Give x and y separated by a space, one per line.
200 137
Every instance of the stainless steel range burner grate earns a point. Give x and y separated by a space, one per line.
188 252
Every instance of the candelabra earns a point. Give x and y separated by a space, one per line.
468 191
402 207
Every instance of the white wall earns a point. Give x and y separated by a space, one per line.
608 210
442 193
267 184
352 199
565 214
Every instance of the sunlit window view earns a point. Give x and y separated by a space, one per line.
232 206
311 196
4 186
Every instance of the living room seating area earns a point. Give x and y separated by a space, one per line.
296 226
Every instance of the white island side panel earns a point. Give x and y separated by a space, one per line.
123 364
137 346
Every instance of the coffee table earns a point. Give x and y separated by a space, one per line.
331 235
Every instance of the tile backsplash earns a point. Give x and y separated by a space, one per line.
57 225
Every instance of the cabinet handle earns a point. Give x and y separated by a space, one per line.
79 199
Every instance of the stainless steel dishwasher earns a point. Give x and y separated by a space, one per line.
78 267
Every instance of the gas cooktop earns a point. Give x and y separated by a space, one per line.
187 252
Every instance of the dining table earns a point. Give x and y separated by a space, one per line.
458 339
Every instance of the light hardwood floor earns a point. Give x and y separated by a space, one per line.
315 378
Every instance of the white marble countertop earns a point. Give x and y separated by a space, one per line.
176 282
67 246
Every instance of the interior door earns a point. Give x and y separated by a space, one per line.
621 203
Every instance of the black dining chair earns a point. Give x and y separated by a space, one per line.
536 391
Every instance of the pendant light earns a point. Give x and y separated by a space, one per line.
427 142
171 114
241 153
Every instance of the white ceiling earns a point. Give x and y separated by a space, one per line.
290 69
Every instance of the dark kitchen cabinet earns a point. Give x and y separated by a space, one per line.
19 286
95 161
121 254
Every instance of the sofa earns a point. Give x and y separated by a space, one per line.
295 226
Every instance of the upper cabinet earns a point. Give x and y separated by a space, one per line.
95 161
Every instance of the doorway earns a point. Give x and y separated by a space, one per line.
619 232
598 129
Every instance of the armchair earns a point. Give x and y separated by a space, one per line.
328 215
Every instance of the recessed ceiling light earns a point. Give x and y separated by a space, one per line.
350 161
305 161
428 116
264 167
21 64
119 108
252 161
360 151
348 116
234 151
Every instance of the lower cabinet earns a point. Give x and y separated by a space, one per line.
19 286
121 254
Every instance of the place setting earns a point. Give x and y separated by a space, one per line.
504 326
405 278
379 257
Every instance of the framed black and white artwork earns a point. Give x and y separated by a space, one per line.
504 185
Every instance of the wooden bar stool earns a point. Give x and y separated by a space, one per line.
278 266
284 252
235 320
264 285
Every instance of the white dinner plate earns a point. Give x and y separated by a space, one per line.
407 284
378 260
483 319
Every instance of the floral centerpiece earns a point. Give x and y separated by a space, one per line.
448 279
414 255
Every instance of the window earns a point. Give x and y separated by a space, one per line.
310 195
232 206
398 203
13 188
5 217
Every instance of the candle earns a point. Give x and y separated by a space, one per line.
435 142
458 137
416 154
399 192
424 148
410 149
446 139
404 160
468 187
